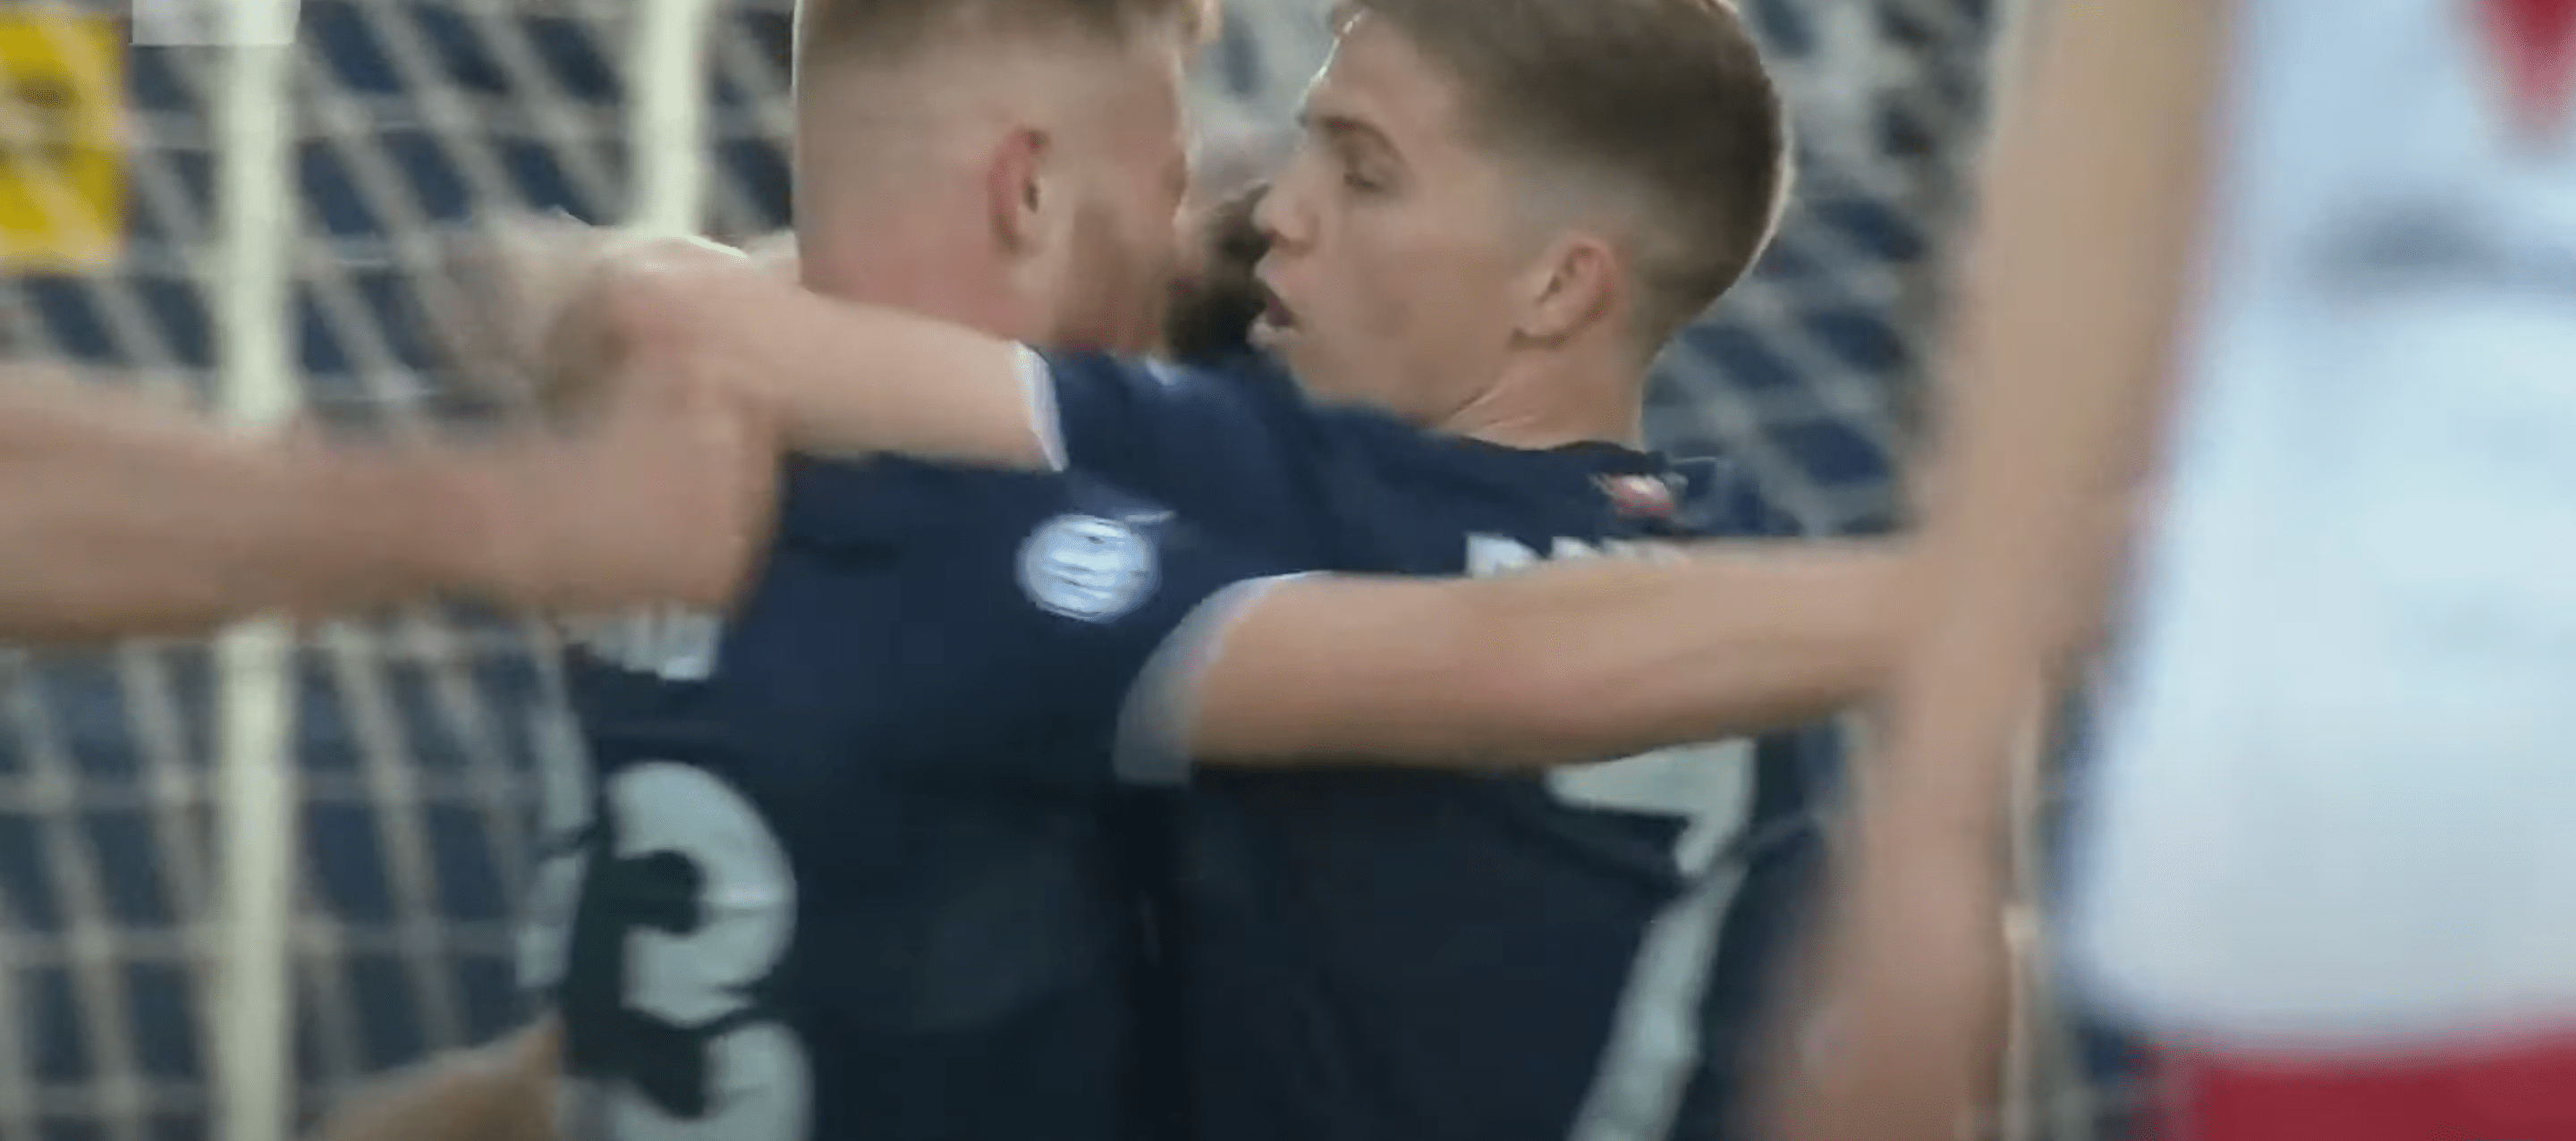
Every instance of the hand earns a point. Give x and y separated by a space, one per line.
514 278
667 494
539 289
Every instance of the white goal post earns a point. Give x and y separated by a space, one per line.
258 389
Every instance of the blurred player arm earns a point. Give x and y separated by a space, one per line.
2070 305
502 1091
124 518
1559 664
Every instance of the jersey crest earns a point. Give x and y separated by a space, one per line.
1087 567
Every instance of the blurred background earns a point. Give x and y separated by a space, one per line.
411 737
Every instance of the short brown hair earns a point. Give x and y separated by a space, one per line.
890 30
1668 99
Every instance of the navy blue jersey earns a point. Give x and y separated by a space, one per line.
1415 956
845 865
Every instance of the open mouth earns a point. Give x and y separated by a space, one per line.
1276 319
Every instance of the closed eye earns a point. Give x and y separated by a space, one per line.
1368 160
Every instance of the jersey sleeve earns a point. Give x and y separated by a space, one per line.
1230 448
1052 629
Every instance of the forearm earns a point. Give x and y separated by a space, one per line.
1614 658
844 378
1562 664
2065 340
2065 336
1896 1029
119 519
123 520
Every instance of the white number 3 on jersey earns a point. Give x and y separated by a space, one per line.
695 981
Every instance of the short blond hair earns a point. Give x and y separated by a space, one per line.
892 31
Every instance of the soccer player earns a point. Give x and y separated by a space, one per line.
1458 243
124 518
898 750
2323 858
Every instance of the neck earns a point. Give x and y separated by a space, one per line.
916 268
1546 405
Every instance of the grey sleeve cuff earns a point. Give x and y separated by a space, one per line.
1044 417
1154 723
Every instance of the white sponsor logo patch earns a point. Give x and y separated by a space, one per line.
1087 567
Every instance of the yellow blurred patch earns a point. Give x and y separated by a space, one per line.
62 146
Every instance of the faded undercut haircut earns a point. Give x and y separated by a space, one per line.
893 31
1665 103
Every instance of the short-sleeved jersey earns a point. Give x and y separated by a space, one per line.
1432 956
2328 810
845 864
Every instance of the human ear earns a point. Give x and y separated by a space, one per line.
1577 281
1017 196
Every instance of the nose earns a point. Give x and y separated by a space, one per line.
1282 215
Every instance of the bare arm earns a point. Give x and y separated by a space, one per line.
1561 664
503 1091
2071 300
929 388
119 518
122 519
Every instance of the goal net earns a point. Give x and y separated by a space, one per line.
410 737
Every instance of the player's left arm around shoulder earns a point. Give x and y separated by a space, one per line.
844 378
1561 664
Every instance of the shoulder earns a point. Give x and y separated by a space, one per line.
1074 545
1251 380
895 501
